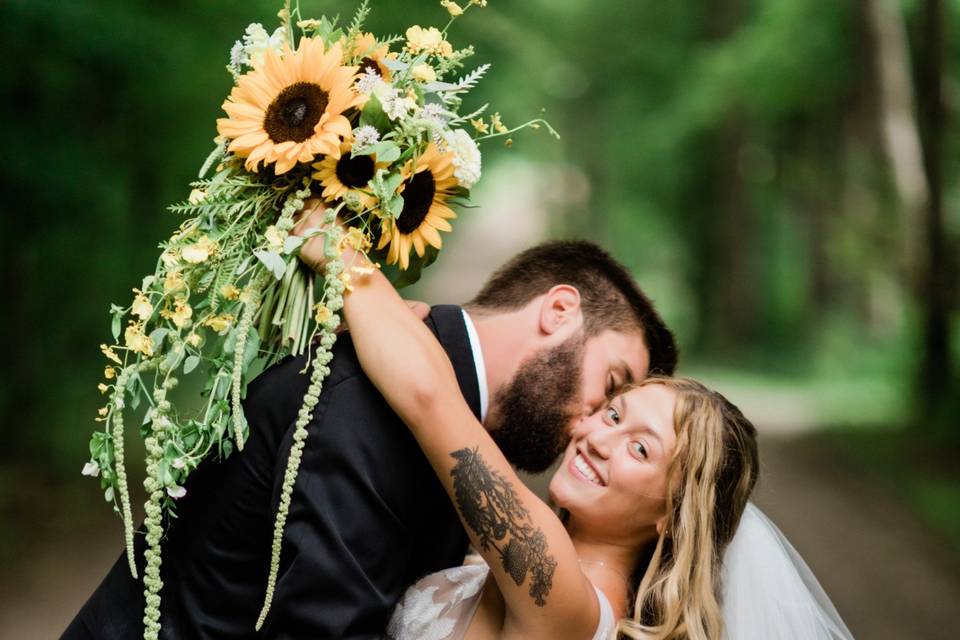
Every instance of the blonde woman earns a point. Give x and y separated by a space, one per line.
652 489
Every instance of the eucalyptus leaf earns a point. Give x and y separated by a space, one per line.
174 358
272 261
190 364
292 243
157 336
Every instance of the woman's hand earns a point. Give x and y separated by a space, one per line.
311 217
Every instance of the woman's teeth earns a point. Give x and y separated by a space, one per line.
586 470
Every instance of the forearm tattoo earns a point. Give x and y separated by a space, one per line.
492 509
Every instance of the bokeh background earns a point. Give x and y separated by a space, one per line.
780 175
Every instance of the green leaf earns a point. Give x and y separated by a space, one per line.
174 357
251 348
115 326
190 364
292 243
157 336
272 261
386 151
374 116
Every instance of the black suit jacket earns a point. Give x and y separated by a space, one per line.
368 516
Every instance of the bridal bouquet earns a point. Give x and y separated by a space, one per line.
371 126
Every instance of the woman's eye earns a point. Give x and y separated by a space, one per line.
639 449
613 414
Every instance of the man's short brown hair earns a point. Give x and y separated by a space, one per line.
609 296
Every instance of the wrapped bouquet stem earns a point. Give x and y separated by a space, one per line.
370 126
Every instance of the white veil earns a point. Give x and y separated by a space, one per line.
769 593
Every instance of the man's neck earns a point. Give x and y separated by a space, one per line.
505 340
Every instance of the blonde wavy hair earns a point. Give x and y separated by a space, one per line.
710 478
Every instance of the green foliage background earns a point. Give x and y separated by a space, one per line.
731 148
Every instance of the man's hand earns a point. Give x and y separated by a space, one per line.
310 217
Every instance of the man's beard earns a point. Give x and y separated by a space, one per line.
535 409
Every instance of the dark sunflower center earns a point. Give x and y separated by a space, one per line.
295 112
368 64
417 198
354 172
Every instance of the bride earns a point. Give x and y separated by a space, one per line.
652 489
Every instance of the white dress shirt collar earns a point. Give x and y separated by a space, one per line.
478 362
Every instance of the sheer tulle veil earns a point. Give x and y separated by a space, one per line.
769 593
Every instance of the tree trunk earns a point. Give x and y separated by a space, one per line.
935 371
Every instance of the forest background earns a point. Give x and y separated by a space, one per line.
780 175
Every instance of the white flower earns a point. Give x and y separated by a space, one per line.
178 463
91 469
397 106
256 41
466 156
365 136
176 492
433 112
238 57
119 403
368 82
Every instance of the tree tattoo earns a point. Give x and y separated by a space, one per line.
492 509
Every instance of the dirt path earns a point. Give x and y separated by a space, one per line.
888 577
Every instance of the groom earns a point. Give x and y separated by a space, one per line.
547 339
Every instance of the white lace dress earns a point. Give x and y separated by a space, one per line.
441 605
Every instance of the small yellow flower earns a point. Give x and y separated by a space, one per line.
452 7
172 281
103 388
181 312
141 305
508 143
194 340
480 126
219 323
199 251
170 258
109 373
321 313
345 279
282 14
423 73
309 24
274 237
246 297
136 340
355 239
429 40
110 353
497 125
229 292
103 411
197 196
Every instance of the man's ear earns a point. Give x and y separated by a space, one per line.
560 310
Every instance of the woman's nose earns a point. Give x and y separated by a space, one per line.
599 441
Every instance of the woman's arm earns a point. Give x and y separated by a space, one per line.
528 550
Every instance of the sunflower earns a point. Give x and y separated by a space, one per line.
343 174
290 107
371 56
428 183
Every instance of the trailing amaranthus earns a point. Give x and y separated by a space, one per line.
333 302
